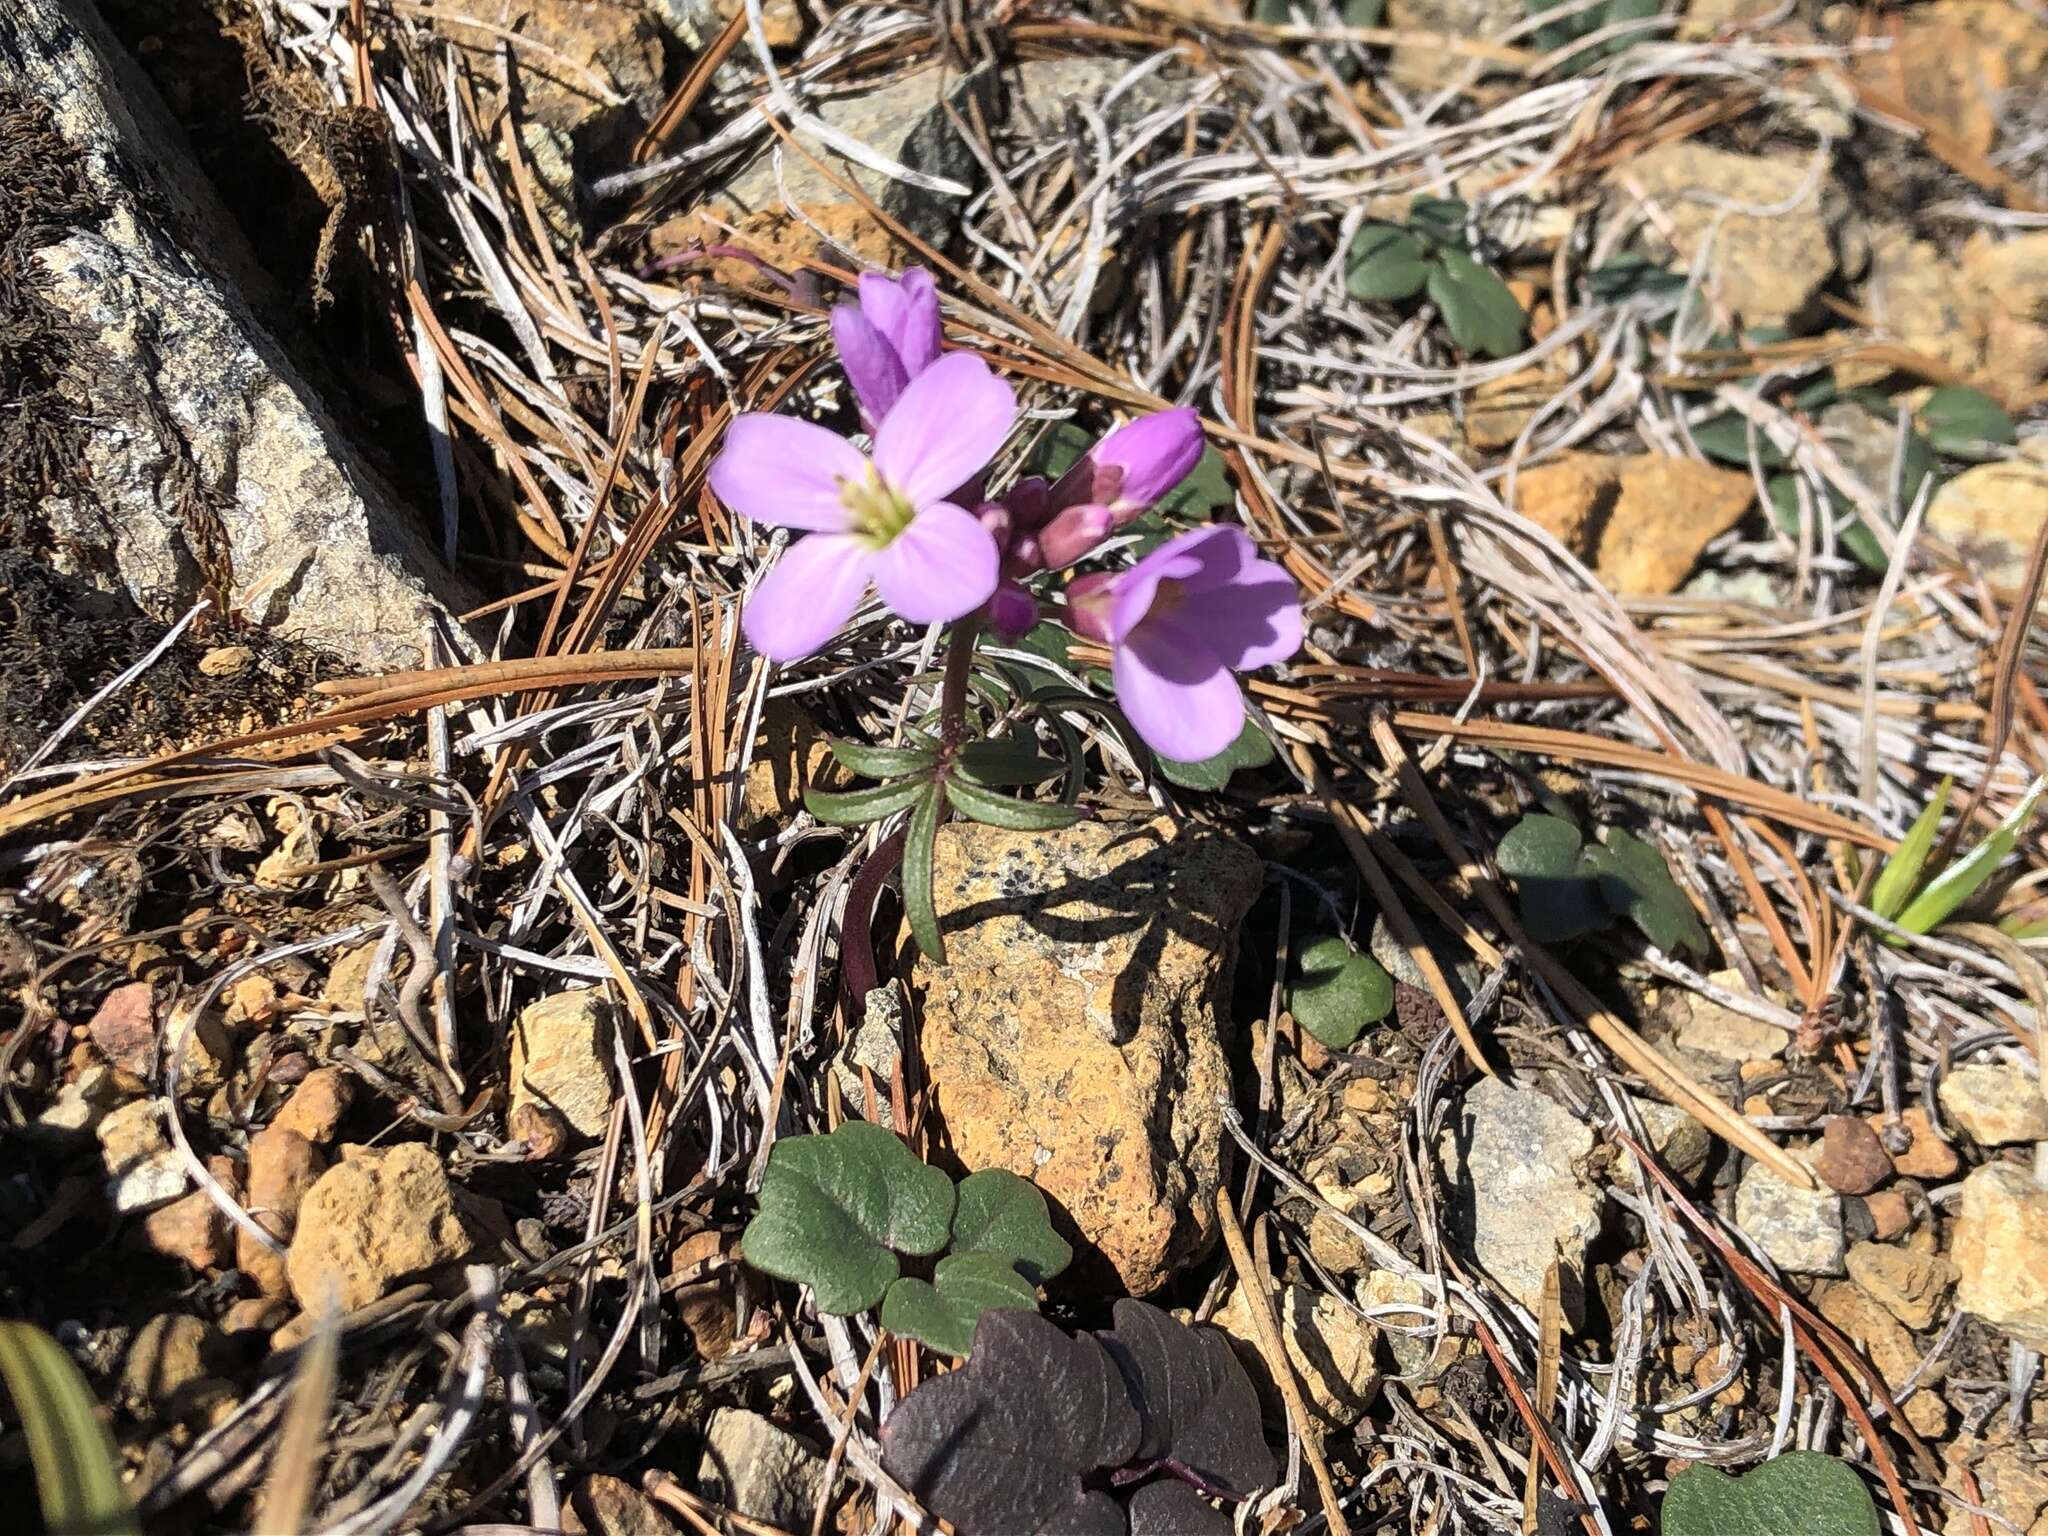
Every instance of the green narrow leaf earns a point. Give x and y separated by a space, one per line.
1801 1491
881 762
942 1312
1479 311
1632 275
978 804
858 807
1964 878
991 763
918 906
1900 876
78 1476
1637 884
1002 1214
1726 437
1385 264
836 1210
1340 992
1250 750
1364 13
1852 534
1966 423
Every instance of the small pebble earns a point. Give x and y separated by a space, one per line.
1851 1158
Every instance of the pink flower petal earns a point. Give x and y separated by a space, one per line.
777 469
807 599
906 310
1253 622
872 366
945 426
941 566
1177 695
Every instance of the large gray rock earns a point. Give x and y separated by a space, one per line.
206 460
1519 1200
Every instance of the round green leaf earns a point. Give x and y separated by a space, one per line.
1250 750
1558 897
1636 883
1001 1214
1540 845
942 1312
1479 311
1385 264
1339 993
836 1210
1800 1491
1966 423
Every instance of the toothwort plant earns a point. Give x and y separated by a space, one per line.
911 518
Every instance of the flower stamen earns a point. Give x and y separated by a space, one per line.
875 513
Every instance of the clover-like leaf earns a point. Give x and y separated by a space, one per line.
858 807
942 1311
1203 491
1385 264
1339 993
1559 898
1196 1403
1636 882
1001 1214
836 1210
1001 1447
1478 309
1252 749
1966 423
1440 221
1802 1491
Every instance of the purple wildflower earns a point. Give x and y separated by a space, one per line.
1182 620
1134 465
889 339
885 520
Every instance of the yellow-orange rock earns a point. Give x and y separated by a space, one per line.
1076 1036
1668 510
1569 497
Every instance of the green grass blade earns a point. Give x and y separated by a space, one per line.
78 1478
1900 876
1964 878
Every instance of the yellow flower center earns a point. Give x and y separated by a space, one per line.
876 513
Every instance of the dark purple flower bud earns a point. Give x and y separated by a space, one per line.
1135 465
1011 610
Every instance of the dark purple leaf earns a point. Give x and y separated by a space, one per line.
1001 1446
1198 1404
1171 1508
